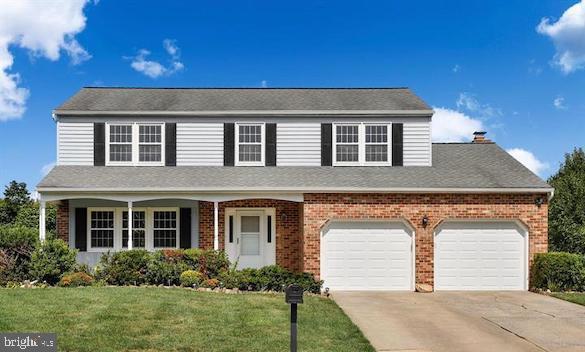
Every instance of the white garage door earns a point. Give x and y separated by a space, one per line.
367 256
480 256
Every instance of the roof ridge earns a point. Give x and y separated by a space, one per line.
250 88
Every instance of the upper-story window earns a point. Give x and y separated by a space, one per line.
250 144
361 144
135 144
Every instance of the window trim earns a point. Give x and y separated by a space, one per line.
149 228
262 144
361 144
136 144
177 228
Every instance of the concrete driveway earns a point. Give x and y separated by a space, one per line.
465 321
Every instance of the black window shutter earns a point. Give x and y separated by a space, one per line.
81 229
270 144
228 144
99 144
185 228
397 144
269 228
231 229
326 144
171 144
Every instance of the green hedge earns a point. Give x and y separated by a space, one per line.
177 266
558 271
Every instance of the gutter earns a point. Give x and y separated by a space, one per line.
119 113
549 191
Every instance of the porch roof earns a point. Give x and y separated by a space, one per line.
456 168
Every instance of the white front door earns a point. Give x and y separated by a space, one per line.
480 256
250 237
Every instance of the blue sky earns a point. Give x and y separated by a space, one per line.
514 68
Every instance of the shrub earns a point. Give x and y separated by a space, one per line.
209 262
124 268
51 260
16 246
268 278
165 270
76 279
191 278
558 271
210 283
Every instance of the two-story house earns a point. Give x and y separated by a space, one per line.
342 183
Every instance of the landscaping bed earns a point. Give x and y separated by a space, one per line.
175 319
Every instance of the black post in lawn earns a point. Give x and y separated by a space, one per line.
293 296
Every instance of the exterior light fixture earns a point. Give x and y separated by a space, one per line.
539 201
425 221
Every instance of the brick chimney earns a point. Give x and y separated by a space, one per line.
479 137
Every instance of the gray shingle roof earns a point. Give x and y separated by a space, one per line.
103 100
455 166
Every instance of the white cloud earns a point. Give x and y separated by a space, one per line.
42 28
47 168
155 69
454 126
470 103
456 68
559 103
528 159
568 36
264 84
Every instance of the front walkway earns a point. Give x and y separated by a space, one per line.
466 321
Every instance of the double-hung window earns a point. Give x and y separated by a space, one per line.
250 144
361 144
135 144
101 229
152 228
165 229
138 229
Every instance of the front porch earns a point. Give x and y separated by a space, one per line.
254 232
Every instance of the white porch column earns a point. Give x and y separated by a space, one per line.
130 223
42 221
215 225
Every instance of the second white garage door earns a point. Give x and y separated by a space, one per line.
367 256
480 256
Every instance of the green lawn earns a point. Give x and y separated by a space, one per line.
141 318
577 297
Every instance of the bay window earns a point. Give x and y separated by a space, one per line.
135 144
361 144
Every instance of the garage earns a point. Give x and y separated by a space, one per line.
367 256
481 256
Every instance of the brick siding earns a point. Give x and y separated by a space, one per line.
319 208
288 228
63 220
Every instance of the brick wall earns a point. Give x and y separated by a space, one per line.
288 229
319 208
63 220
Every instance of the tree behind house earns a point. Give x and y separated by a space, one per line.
567 208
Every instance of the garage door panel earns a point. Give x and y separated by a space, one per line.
480 256
367 256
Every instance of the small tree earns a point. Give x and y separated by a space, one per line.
567 208
15 196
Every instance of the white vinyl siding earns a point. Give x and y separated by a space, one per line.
417 143
298 144
199 144
74 143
